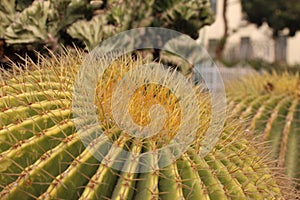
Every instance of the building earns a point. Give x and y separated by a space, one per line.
246 40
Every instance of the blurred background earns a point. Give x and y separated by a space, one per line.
260 32
250 34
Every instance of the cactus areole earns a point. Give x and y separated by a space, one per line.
118 149
42 155
271 102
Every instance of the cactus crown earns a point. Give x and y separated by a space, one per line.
43 157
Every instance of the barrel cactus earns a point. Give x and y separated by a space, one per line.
43 157
271 104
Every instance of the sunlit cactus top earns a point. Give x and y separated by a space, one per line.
42 155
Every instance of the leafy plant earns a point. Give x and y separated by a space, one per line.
38 23
35 24
184 16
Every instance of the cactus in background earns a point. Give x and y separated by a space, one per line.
40 23
184 16
116 16
8 11
42 156
92 32
271 104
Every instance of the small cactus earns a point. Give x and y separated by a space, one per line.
43 157
271 105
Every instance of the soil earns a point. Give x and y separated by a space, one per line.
9 55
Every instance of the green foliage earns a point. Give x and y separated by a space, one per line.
279 14
52 22
8 9
30 26
184 16
262 65
92 32
42 156
270 67
39 23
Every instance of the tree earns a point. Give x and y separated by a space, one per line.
222 42
278 14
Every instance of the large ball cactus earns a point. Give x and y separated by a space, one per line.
271 105
42 155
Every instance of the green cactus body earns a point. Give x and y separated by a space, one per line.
42 156
271 104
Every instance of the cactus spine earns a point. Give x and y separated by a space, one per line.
271 104
42 156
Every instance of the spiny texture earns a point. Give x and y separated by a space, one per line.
271 103
42 156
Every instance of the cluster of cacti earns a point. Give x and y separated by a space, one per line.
42 155
271 105
49 23
184 16
40 23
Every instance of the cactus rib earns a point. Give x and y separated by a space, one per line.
44 156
